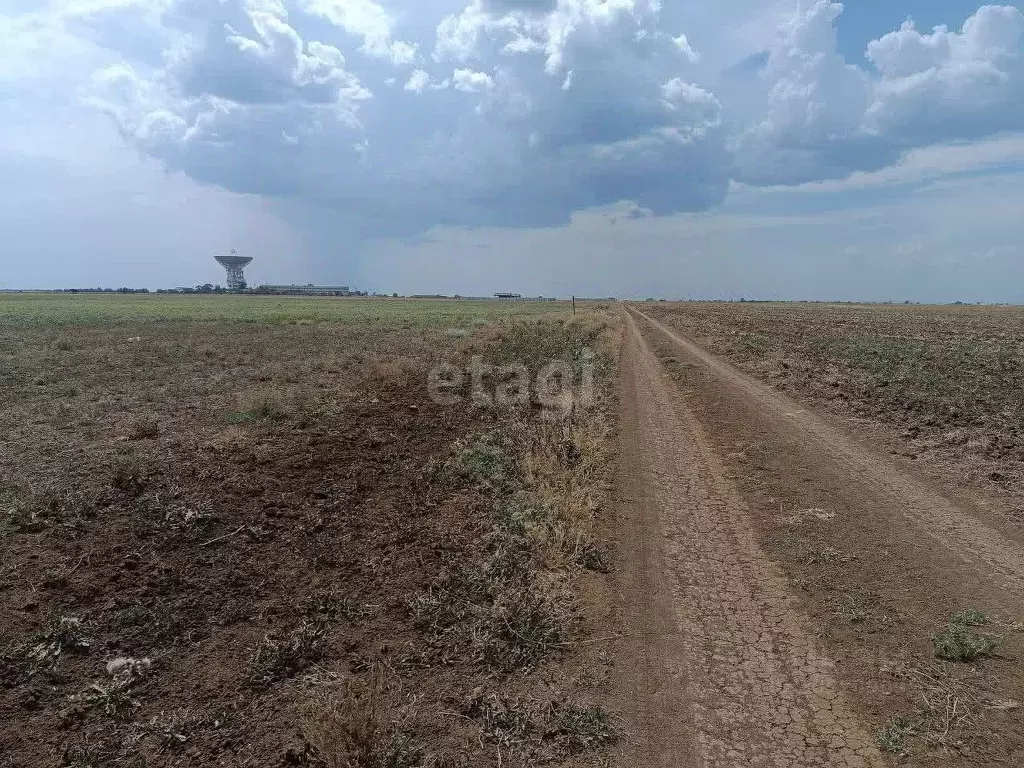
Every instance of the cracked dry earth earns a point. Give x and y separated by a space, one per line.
721 668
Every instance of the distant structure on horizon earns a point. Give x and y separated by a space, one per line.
235 266
309 290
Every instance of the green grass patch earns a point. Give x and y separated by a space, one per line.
90 309
485 460
892 737
958 641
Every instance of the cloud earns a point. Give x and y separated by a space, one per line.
370 21
472 82
945 85
825 119
592 108
683 44
418 81
265 63
515 112
809 126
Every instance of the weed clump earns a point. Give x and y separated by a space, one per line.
260 405
345 727
542 732
853 609
330 607
958 643
892 737
18 514
484 460
499 614
578 729
188 518
84 756
970 618
62 634
143 427
173 730
128 475
277 658
114 697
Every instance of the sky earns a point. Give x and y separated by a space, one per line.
803 149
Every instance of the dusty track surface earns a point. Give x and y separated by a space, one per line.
737 654
974 541
725 672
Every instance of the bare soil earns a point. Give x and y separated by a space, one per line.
251 522
229 544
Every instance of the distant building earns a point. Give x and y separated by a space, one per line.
508 296
308 290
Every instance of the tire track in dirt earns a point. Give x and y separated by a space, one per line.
985 548
726 672
653 678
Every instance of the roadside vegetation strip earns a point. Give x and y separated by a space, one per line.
254 520
543 475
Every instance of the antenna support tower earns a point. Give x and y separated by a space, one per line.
235 266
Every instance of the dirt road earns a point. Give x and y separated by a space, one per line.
735 675
724 661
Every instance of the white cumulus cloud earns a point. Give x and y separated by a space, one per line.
472 82
417 81
948 84
369 20
512 112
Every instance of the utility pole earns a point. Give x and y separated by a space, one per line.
574 306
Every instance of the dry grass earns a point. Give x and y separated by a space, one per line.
546 477
264 403
500 613
542 731
272 476
143 426
946 714
564 457
565 464
345 726
389 373
281 656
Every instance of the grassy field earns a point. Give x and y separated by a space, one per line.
950 378
240 532
83 309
